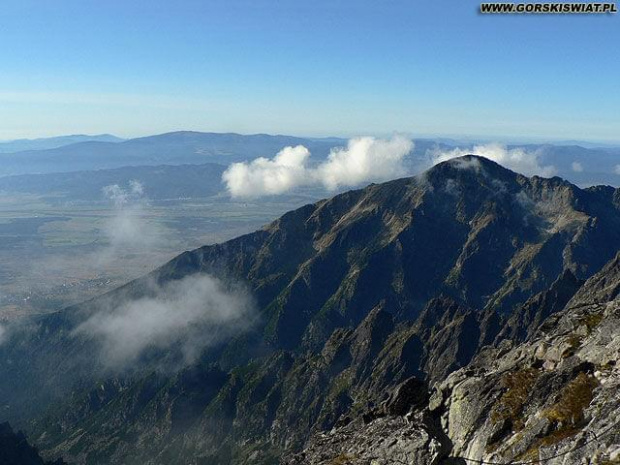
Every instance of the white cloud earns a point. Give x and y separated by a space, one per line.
121 196
191 314
525 200
364 159
517 159
577 167
267 177
136 187
466 163
3 335
128 226
617 169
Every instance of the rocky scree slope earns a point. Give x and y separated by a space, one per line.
553 399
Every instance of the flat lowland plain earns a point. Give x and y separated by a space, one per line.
55 252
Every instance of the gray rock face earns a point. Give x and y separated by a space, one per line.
401 430
409 395
387 440
546 399
554 398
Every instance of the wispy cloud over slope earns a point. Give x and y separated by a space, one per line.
128 227
364 159
193 313
517 159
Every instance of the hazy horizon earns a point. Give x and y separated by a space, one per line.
461 138
346 68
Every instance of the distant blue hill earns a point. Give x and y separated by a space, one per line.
598 165
172 148
164 182
21 145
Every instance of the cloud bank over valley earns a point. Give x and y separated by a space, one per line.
364 159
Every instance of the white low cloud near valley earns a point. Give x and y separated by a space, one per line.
128 226
191 314
364 159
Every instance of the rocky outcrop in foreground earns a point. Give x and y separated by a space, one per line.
400 431
553 399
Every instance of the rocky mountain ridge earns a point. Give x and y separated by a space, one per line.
355 294
552 399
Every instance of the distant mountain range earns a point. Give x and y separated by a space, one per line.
164 182
596 165
172 148
583 166
355 295
21 145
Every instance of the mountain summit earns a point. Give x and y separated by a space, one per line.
354 294
467 228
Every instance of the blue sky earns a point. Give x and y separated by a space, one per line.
335 67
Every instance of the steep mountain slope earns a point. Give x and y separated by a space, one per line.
15 450
468 229
552 399
355 294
